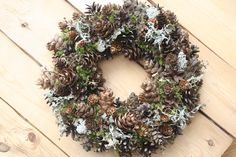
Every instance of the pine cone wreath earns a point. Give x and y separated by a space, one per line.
89 112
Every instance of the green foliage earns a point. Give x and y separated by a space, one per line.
83 73
134 19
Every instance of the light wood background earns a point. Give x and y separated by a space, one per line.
27 125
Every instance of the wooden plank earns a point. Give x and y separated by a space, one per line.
212 21
18 138
28 100
221 76
231 151
39 17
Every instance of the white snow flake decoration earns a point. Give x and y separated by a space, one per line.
81 128
182 61
152 12
101 45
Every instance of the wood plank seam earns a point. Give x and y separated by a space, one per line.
154 3
33 126
23 50
218 125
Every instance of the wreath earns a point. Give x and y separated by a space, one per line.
89 112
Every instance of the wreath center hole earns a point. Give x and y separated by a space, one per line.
123 76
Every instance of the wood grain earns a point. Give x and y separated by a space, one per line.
41 18
28 100
20 81
19 139
212 21
126 78
231 151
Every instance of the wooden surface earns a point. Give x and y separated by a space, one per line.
22 51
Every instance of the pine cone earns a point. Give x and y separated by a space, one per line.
152 68
156 137
83 110
164 118
93 9
162 20
66 77
62 90
108 9
89 59
76 16
55 44
166 130
72 35
171 59
133 53
129 121
125 148
62 25
147 148
190 97
145 110
168 47
92 99
106 100
168 88
132 100
116 48
47 80
61 63
101 145
150 92
171 17
183 84
102 29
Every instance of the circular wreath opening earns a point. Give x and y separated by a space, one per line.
89 112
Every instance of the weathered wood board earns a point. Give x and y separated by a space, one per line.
19 73
19 139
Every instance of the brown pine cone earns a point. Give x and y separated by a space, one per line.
60 63
108 9
93 99
132 100
166 130
171 59
150 92
116 48
171 17
76 15
156 136
129 121
47 80
168 88
162 20
183 84
55 44
164 118
106 100
133 53
83 110
62 25
89 59
103 29
72 35
66 77
152 68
